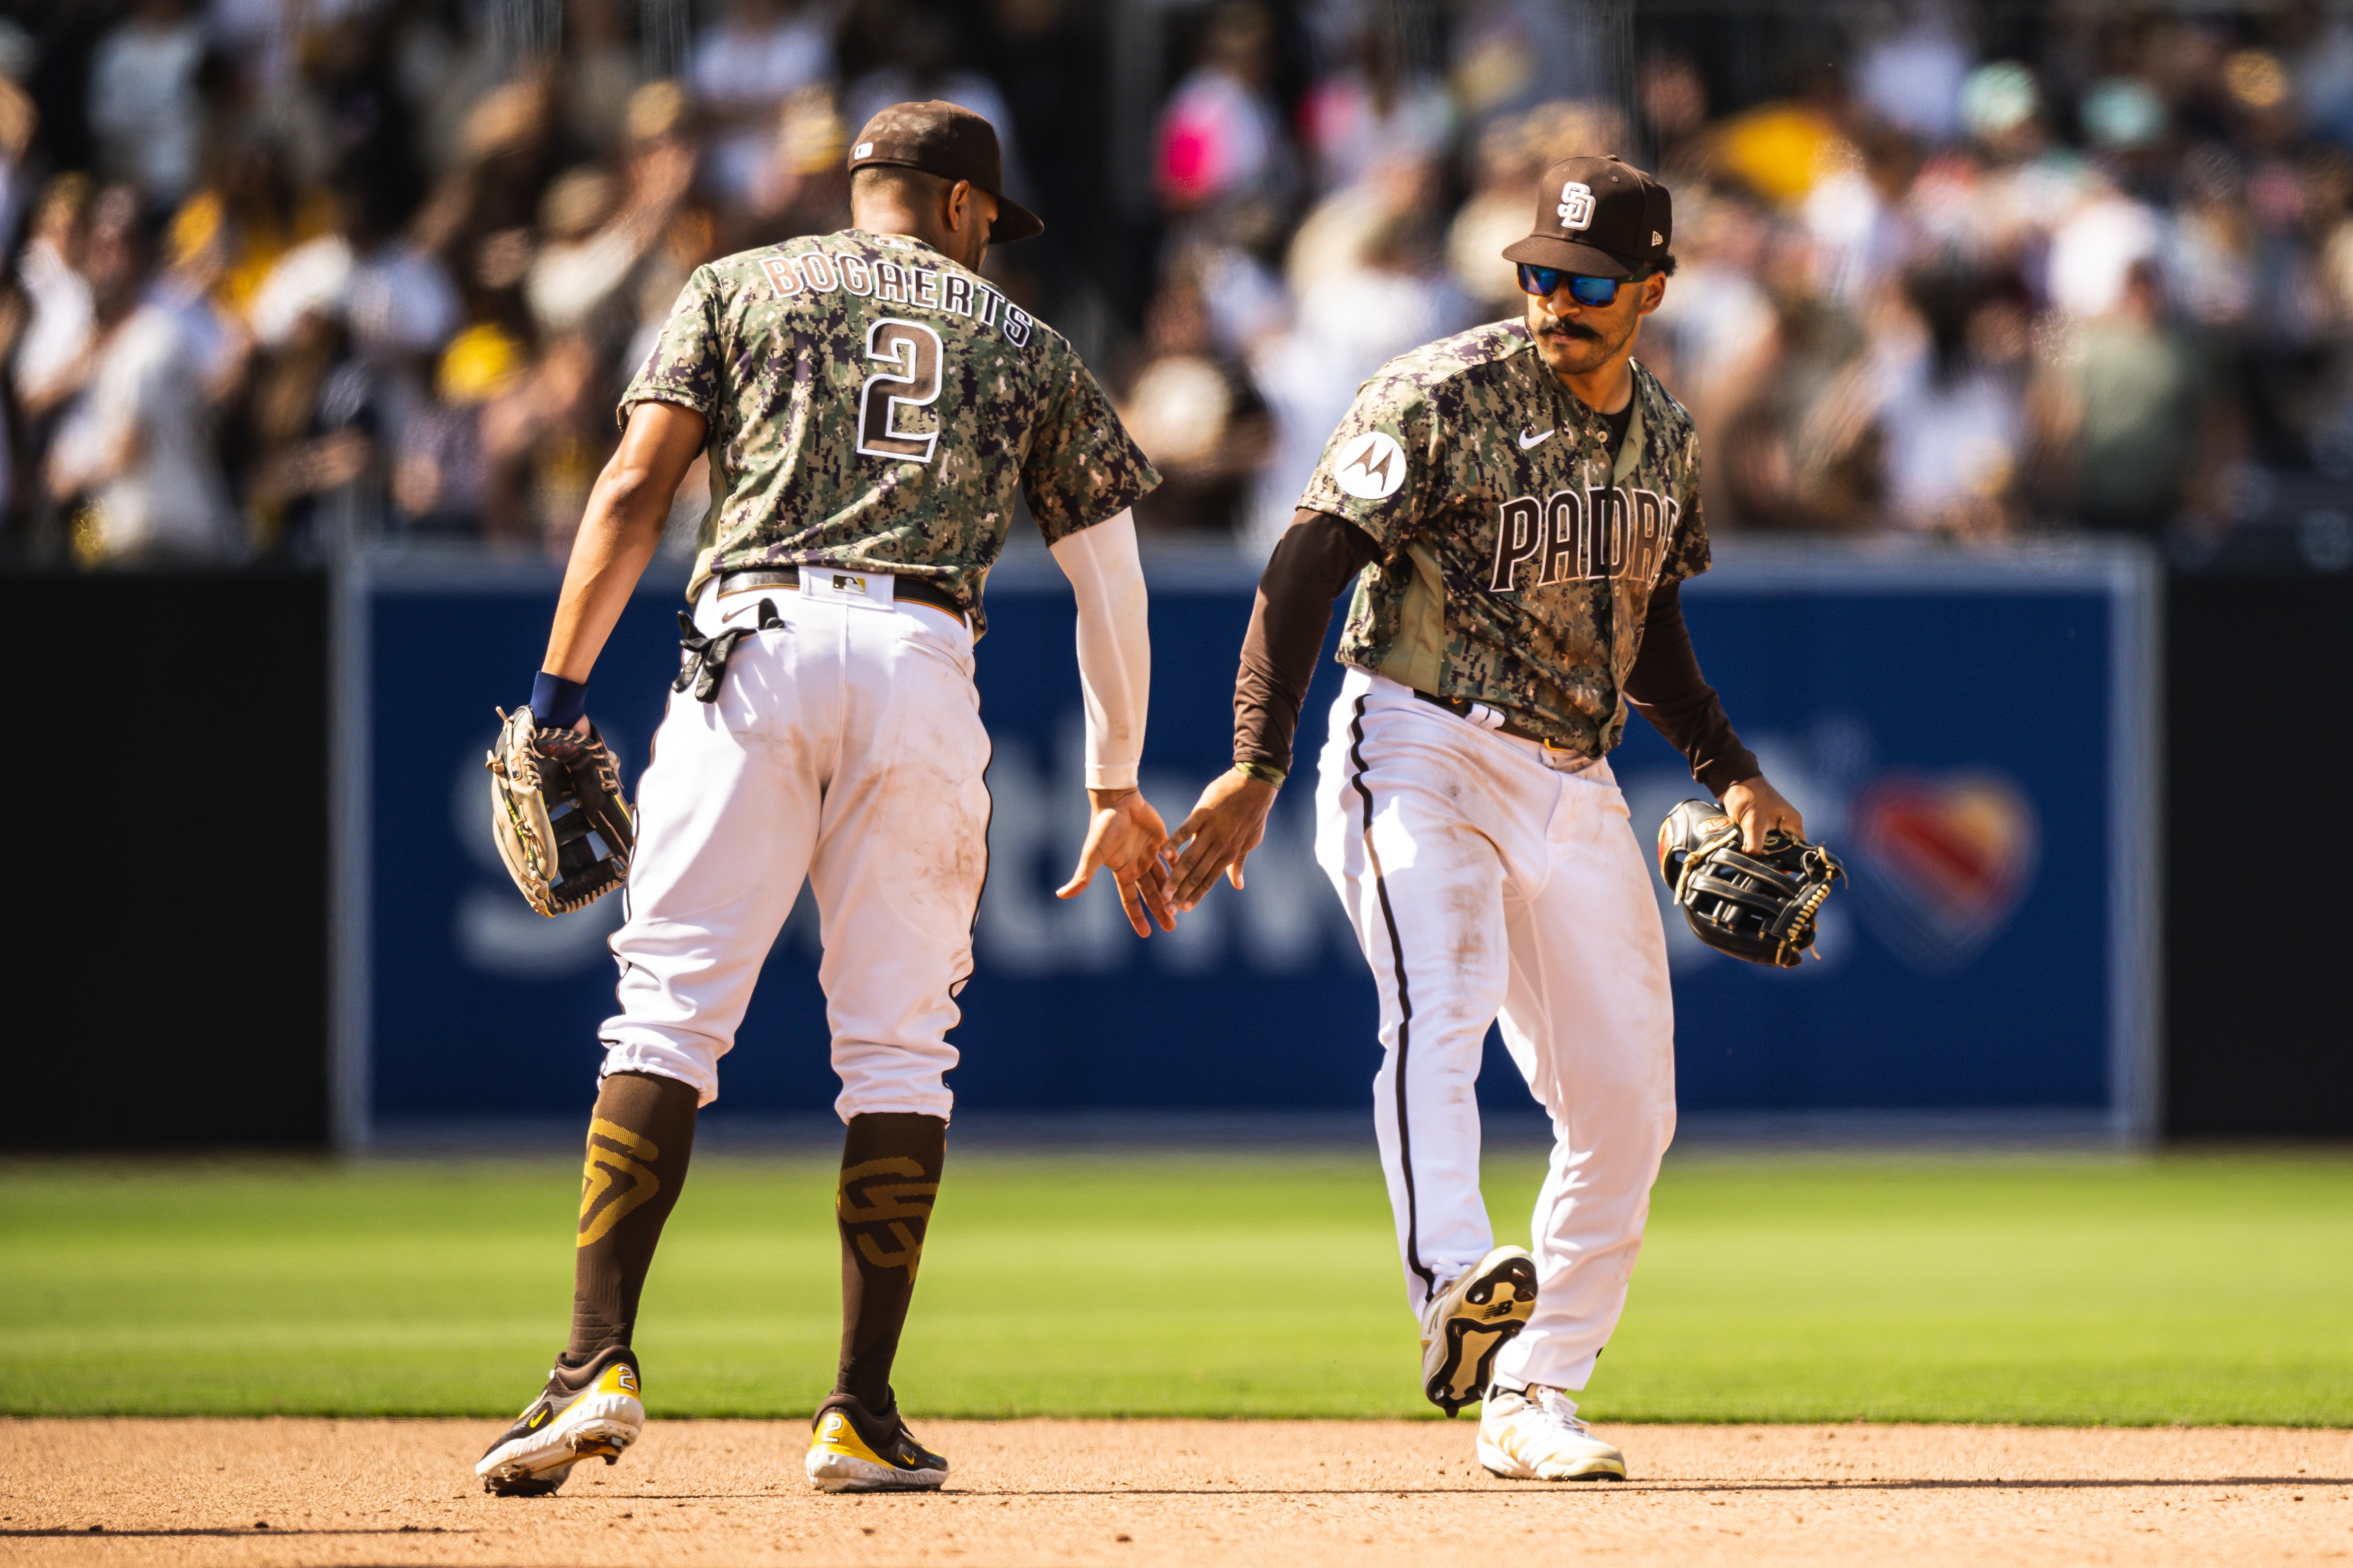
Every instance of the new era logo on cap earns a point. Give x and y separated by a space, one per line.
863 150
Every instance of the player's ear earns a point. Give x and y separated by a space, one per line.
1654 290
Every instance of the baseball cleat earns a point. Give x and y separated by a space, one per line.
1466 1323
1533 1435
592 1413
855 1450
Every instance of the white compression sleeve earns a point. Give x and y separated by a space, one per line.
1114 646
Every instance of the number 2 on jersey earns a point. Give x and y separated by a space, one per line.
912 350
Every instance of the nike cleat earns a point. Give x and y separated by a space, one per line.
1466 1323
855 1450
592 1413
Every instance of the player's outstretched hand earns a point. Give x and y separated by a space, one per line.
1227 824
1125 836
1759 808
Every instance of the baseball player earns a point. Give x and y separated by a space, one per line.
873 407
1517 507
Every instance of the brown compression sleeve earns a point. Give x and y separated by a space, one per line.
1666 688
638 1143
1317 557
891 1162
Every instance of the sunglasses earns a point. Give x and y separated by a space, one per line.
1542 280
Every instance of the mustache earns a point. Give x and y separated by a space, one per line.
1567 330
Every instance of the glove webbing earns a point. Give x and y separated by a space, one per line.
1796 906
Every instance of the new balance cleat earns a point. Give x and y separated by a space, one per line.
592 1413
1466 1323
855 1450
1533 1435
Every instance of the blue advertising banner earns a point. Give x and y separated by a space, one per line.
1973 734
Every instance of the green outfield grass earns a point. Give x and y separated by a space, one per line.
2073 1288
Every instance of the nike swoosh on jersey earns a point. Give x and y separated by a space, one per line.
1527 440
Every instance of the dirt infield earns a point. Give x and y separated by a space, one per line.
1180 1493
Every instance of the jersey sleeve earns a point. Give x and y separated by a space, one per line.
1083 466
683 367
1687 553
1381 470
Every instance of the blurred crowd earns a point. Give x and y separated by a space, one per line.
283 274
2107 283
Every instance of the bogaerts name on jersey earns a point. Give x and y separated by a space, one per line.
952 291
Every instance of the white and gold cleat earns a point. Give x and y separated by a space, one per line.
852 1449
592 1413
1465 1324
1533 1435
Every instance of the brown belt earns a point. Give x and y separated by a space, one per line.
1460 708
923 590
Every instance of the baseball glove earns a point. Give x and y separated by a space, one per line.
1756 907
553 789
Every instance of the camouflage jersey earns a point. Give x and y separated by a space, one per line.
1516 564
873 405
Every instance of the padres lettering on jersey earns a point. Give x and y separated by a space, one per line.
1569 536
875 406
1518 562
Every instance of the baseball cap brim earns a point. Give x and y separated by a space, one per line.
1014 221
1543 250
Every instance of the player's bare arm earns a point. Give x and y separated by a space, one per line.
619 532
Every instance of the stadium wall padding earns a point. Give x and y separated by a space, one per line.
1971 731
167 745
2259 1039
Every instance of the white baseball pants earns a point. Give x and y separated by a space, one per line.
847 749
1485 880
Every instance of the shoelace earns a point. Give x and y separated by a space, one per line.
1556 1408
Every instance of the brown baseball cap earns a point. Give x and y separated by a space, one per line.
952 141
1598 216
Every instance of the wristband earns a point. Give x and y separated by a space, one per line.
1262 772
557 703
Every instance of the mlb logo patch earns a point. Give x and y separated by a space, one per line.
869 590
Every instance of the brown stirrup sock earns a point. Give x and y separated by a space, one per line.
890 1171
639 1141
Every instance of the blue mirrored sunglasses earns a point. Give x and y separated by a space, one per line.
1542 280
